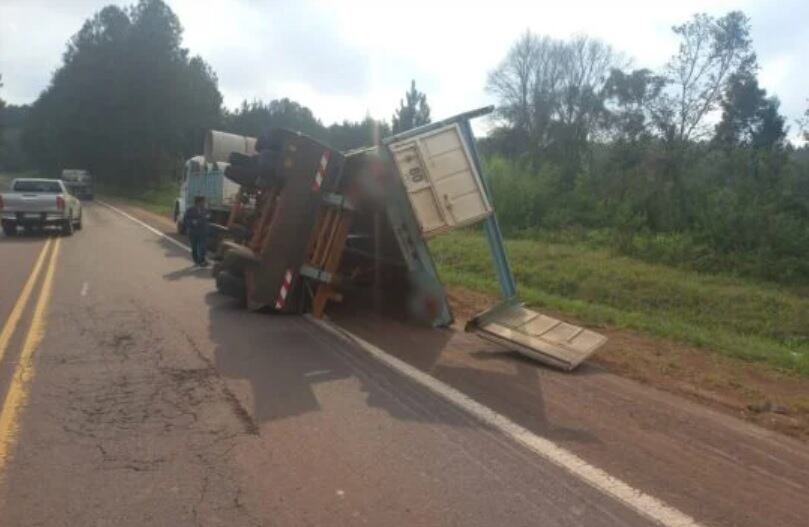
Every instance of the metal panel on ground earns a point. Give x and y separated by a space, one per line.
538 336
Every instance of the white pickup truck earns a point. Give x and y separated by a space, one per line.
36 203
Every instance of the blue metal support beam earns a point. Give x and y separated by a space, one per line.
508 285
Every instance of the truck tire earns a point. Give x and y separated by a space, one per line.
179 221
78 224
237 260
231 285
9 228
269 175
67 226
275 139
216 269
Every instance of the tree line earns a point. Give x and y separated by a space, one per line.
688 165
130 103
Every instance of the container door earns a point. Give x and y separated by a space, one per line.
443 185
430 215
537 336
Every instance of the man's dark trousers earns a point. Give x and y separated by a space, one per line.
199 245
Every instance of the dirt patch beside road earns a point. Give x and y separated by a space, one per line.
754 392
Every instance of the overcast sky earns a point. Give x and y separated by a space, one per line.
349 58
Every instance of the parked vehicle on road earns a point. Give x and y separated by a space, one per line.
36 203
79 182
207 180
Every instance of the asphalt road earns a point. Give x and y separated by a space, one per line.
135 395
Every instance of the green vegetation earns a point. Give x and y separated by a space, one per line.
5 181
127 102
736 317
583 143
6 177
159 199
744 213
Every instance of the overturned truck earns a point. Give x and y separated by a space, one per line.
312 225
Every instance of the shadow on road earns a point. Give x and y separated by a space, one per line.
289 365
28 236
286 360
503 380
186 272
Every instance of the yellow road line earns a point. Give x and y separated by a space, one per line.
18 388
16 313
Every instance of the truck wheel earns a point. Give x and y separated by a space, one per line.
238 259
78 225
67 226
231 285
275 139
179 221
9 228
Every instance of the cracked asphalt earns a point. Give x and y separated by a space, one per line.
156 401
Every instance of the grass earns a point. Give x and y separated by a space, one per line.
740 318
159 200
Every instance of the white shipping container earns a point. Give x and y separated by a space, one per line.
443 185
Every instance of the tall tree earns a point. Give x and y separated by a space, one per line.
711 51
413 110
256 117
632 102
2 113
749 117
127 102
349 135
551 97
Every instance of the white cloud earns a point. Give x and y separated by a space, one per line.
350 58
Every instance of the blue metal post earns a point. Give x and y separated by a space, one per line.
508 285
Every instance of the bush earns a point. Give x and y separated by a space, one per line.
740 212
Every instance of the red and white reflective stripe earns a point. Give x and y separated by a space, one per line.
321 170
285 287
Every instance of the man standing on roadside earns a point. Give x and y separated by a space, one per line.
196 224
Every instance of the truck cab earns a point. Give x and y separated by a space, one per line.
79 182
208 180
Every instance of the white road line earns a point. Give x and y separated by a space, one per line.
644 504
145 225
316 373
85 287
